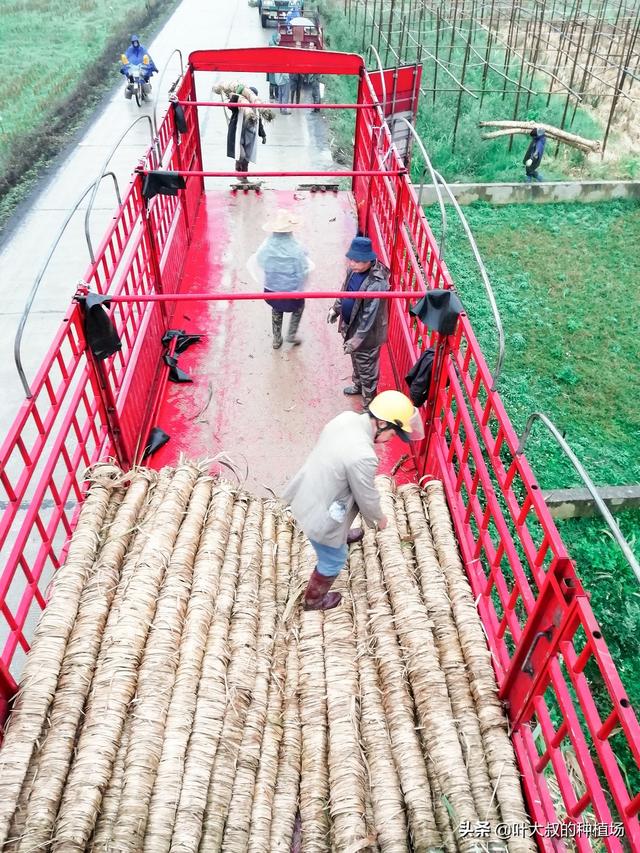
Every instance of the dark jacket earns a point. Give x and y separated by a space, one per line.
367 327
233 127
534 153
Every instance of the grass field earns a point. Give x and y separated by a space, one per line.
565 279
58 59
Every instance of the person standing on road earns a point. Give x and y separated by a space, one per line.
274 41
533 157
363 322
281 265
314 81
337 481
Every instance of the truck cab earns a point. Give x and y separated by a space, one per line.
276 10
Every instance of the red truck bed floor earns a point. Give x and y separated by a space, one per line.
262 407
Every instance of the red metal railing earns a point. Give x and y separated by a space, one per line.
541 630
565 699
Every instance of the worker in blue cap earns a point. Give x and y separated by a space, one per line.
363 322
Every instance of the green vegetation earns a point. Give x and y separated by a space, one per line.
565 279
474 159
59 58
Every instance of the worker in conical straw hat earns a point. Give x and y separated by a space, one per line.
337 481
281 265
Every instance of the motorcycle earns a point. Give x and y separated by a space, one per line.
137 85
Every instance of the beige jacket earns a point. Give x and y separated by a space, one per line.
336 481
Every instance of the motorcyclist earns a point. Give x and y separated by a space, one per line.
135 55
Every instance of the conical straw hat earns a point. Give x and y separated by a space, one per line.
283 222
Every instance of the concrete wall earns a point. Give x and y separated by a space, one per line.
549 191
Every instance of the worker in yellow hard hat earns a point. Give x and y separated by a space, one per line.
337 481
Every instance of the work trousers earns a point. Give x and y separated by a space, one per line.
315 91
295 85
366 371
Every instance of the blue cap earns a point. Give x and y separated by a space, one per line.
361 250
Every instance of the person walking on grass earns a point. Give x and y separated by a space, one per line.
363 322
281 265
337 481
533 157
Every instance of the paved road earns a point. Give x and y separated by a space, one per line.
193 26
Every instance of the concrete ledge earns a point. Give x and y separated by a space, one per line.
546 192
578 503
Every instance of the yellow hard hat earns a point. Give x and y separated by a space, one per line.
397 409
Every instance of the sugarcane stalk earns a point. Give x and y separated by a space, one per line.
238 818
42 669
78 666
211 698
115 682
498 748
314 781
428 683
262 810
180 715
435 595
388 818
103 833
156 676
237 687
347 775
287 788
398 707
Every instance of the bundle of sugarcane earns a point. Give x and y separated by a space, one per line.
268 777
102 836
246 97
44 663
498 749
435 595
211 697
428 683
389 820
314 782
398 707
347 801
285 795
79 662
204 590
238 821
115 681
508 128
239 680
156 676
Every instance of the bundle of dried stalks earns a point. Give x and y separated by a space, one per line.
238 821
40 676
204 590
157 675
79 664
32 778
508 128
387 802
114 682
398 706
428 683
211 697
347 777
314 782
285 798
493 727
287 555
240 680
435 595
101 841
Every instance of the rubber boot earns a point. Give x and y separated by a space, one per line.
356 534
294 322
276 327
352 391
317 595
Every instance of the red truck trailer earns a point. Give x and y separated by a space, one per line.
166 263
